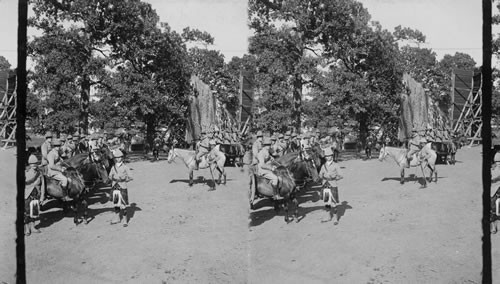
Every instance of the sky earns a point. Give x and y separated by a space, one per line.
449 25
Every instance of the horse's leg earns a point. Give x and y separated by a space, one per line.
296 204
74 207
190 176
251 192
212 175
285 205
402 172
433 172
423 174
85 206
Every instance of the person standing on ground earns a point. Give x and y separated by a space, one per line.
120 176
33 183
330 174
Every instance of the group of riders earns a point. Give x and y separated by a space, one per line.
55 152
265 149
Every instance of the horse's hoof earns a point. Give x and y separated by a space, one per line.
211 188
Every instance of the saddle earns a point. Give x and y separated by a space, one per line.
65 191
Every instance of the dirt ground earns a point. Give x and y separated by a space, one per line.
388 233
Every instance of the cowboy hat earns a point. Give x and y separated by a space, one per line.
117 153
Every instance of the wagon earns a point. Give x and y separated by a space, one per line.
233 153
442 149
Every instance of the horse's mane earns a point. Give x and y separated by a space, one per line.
185 150
77 159
287 158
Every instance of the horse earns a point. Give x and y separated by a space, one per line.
76 189
263 188
214 160
292 165
425 158
303 166
92 173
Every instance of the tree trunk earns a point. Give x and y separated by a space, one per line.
297 102
84 104
363 128
150 129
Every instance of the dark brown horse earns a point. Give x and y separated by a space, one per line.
287 189
94 175
74 194
292 168
303 166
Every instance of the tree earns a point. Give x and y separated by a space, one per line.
357 58
4 63
152 84
458 61
79 39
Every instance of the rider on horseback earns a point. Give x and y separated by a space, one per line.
265 168
256 147
415 145
55 170
202 149
45 148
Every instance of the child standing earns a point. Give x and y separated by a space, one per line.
120 176
330 173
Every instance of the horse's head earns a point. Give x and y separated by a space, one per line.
171 155
383 153
312 169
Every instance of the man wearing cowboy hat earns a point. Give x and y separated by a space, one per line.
83 144
69 146
55 169
93 141
45 148
330 173
64 151
295 143
279 146
120 176
256 147
202 149
415 145
265 168
32 191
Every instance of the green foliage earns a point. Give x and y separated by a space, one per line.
4 63
117 51
405 33
359 76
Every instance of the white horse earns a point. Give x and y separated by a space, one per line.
425 158
213 160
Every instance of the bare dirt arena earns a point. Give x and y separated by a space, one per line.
388 233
